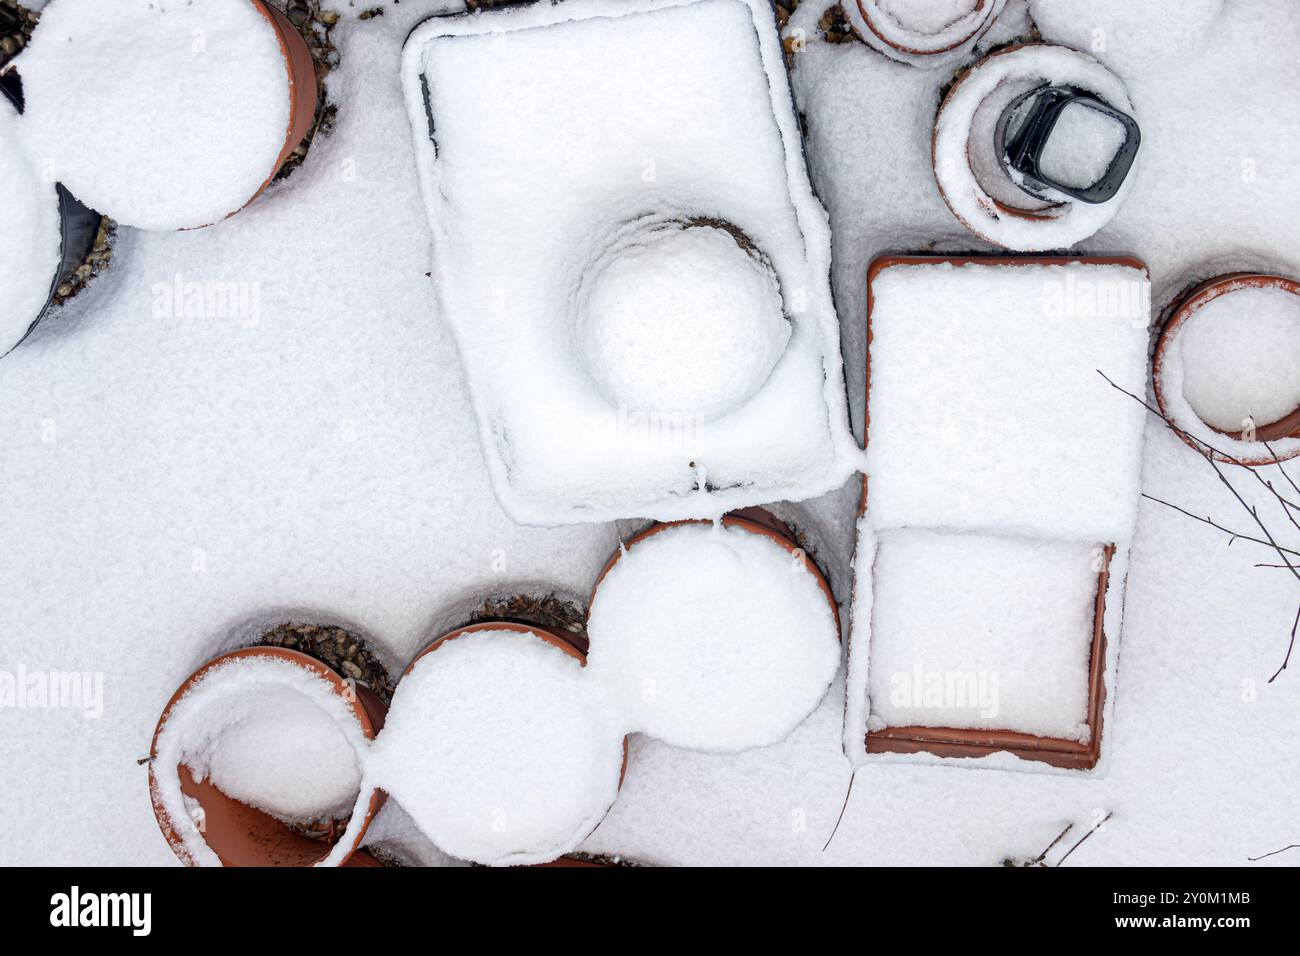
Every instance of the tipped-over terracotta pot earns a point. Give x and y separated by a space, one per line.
241 835
1179 313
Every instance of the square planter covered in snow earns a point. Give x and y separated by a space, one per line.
1003 491
628 251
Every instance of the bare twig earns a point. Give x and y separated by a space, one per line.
1289 648
1232 535
838 820
1293 846
1048 849
1097 826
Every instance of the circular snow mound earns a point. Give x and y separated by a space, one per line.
499 750
157 113
29 235
713 637
1241 358
965 165
680 318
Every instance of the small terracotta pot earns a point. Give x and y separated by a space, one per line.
241 835
754 520
304 94
1182 310
880 31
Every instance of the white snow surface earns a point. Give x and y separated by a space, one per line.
713 637
1083 143
683 320
29 233
161 114
501 749
987 406
171 484
559 130
924 33
982 632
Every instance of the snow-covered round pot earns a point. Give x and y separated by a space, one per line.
926 33
196 106
718 637
499 746
205 825
1266 370
972 180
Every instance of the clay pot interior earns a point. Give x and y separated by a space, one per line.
241 835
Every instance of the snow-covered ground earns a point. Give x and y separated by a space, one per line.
172 480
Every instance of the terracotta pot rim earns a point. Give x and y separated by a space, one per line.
982 25
1182 309
339 684
304 96
764 524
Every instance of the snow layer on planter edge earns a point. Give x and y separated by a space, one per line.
29 233
512 240
713 637
159 115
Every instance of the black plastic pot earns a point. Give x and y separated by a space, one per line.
78 225
1023 151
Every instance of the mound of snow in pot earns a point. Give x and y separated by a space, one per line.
979 631
713 637
267 732
1083 143
1239 357
29 234
681 318
619 371
499 750
158 113
964 149
986 406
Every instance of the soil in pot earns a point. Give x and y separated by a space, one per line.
714 637
233 85
257 761
499 747
1237 355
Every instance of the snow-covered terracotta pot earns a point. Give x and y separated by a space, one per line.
1178 376
972 179
922 32
215 98
236 832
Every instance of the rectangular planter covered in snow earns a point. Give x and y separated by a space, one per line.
1004 475
628 251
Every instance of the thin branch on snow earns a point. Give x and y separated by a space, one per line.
1097 826
1289 648
840 819
1293 846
